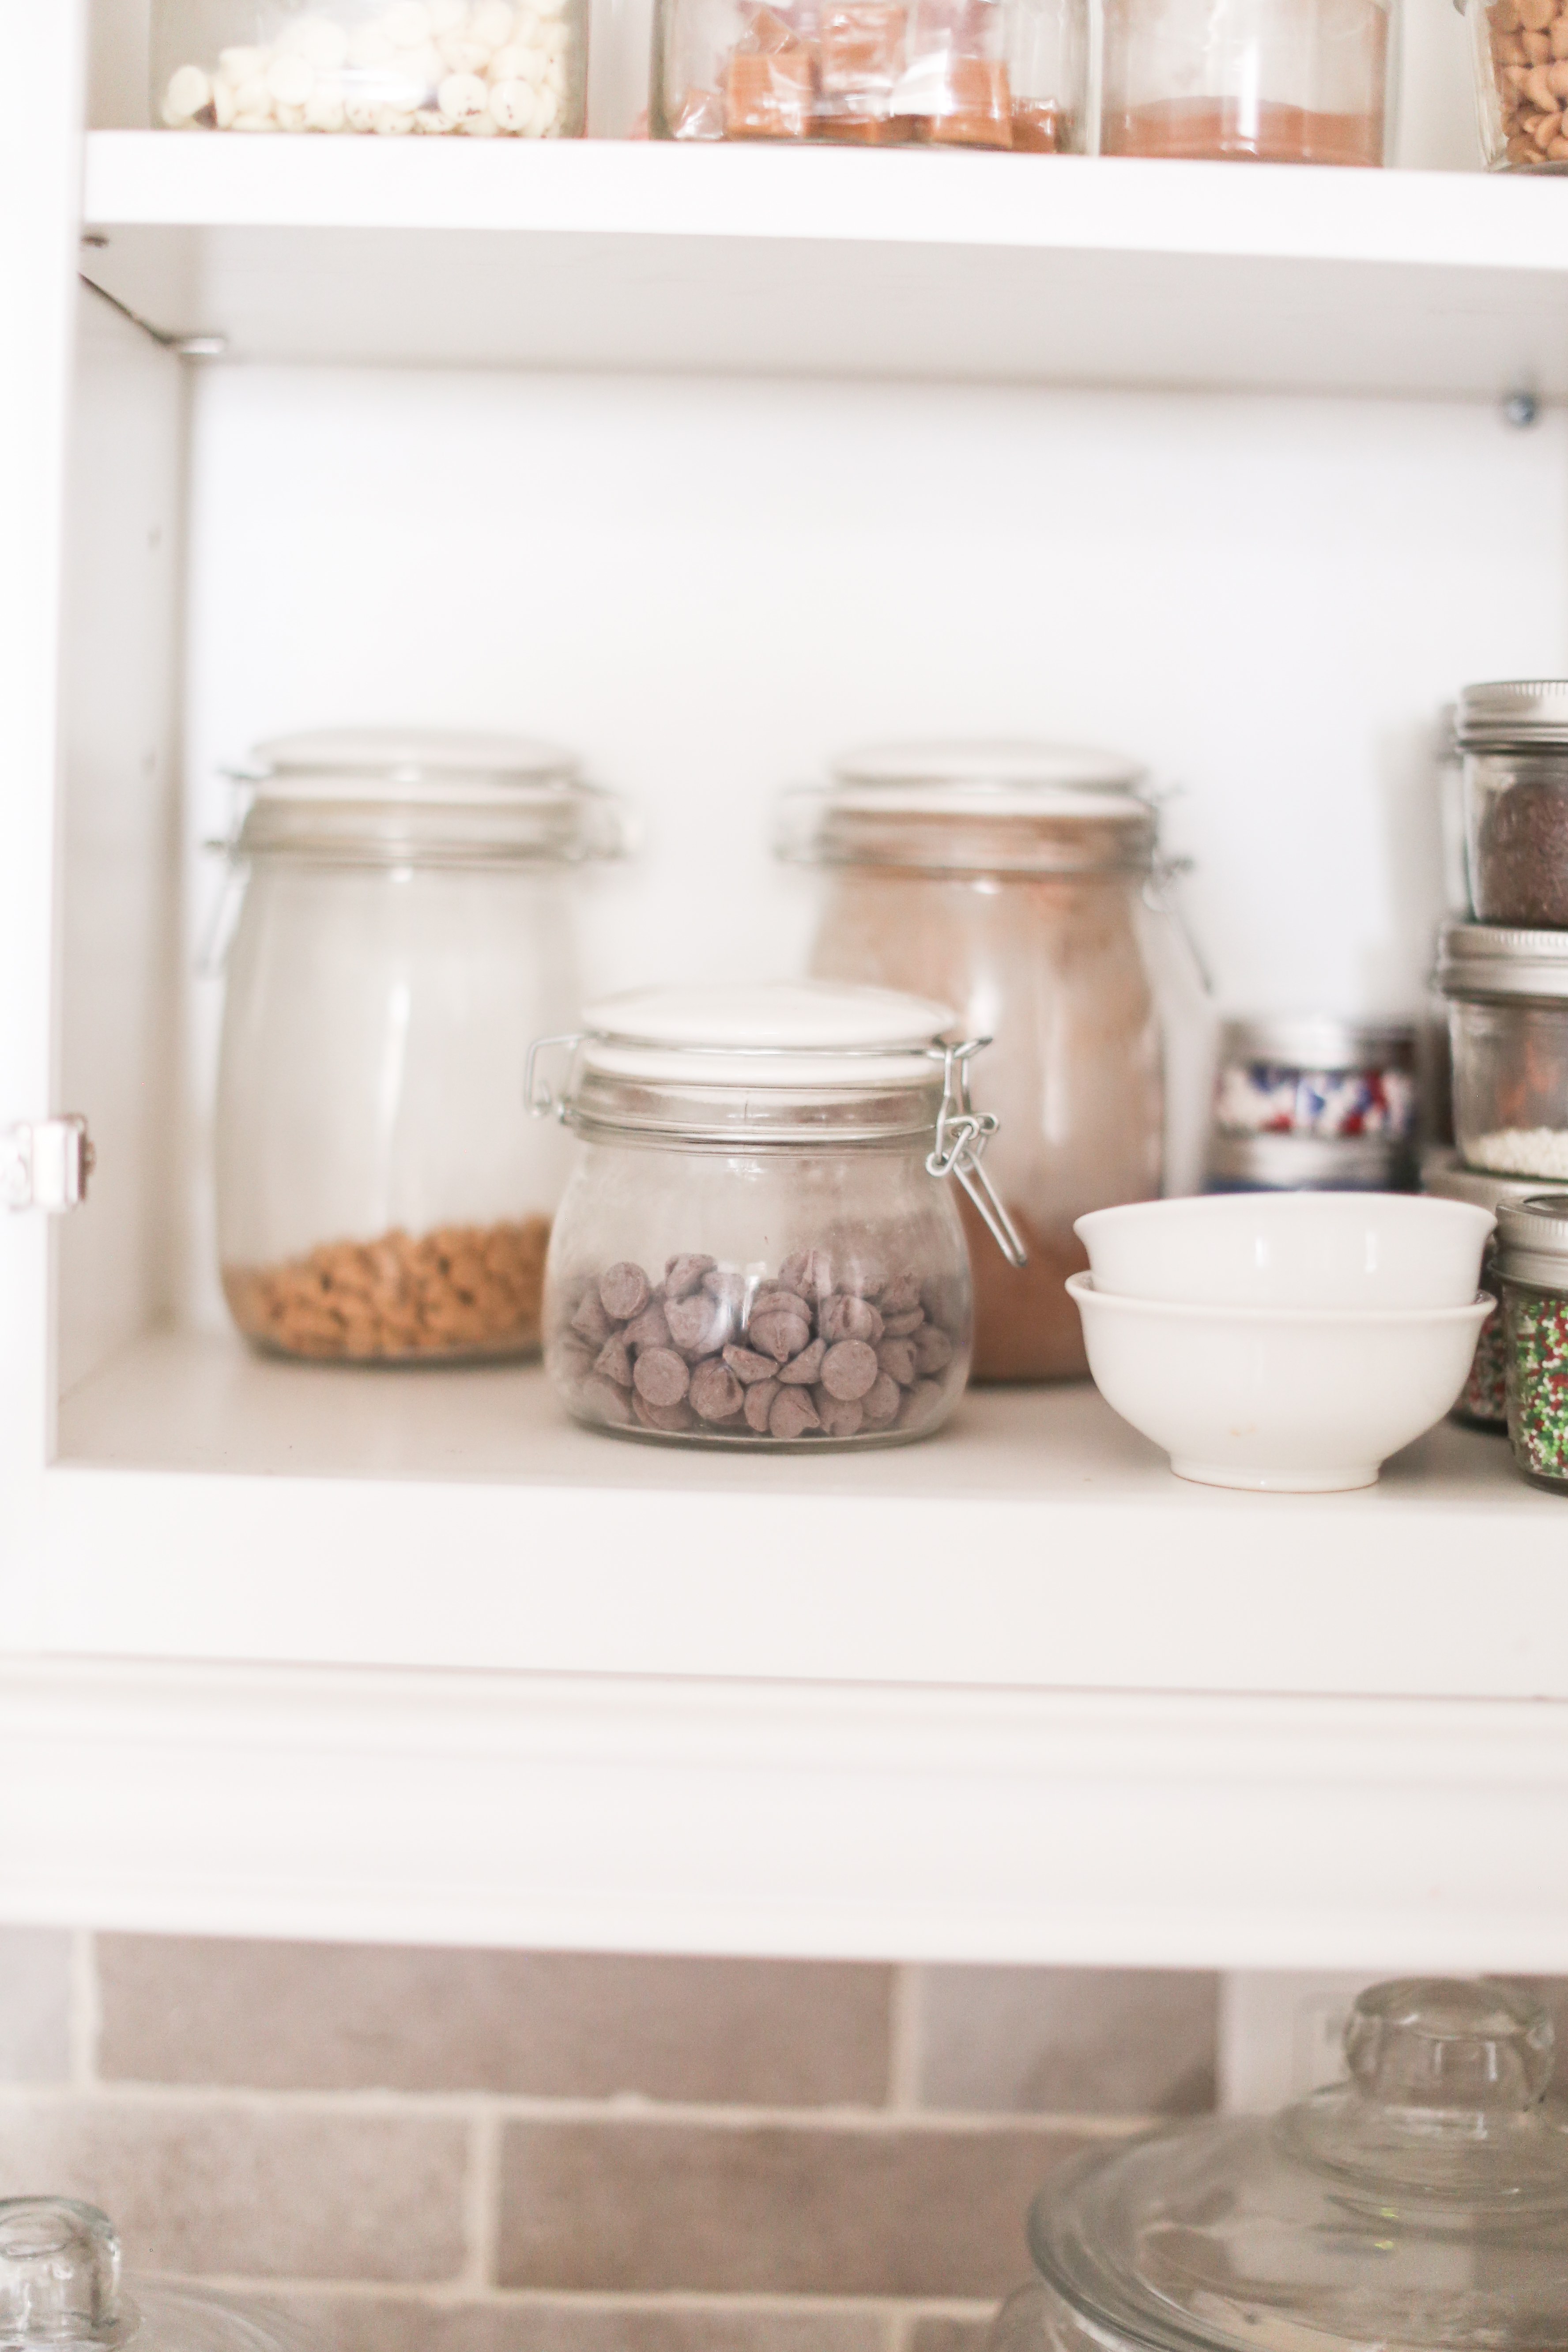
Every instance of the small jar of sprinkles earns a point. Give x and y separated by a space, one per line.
1483 1400
1533 1264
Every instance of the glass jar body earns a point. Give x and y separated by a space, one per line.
790 1294
381 1192
1518 54
483 68
1510 1085
1284 81
1516 832
873 73
1535 1341
1064 972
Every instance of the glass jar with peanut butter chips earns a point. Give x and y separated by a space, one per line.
759 1246
408 912
1532 1273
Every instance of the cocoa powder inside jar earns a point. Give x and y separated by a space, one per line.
461 1291
1221 128
1025 1326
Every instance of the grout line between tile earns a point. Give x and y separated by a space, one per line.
906 2028
465 2107
82 2014
482 2218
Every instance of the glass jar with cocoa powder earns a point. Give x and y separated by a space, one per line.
407 924
1267 81
1022 884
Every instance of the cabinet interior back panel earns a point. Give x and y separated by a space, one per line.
708 586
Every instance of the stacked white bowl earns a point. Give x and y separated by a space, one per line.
1283 1341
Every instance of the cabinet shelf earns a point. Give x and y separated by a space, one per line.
626 255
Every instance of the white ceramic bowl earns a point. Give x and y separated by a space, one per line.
1296 1401
1290 1249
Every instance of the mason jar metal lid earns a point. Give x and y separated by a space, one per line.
1318 1042
1522 711
1532 1238
1486 959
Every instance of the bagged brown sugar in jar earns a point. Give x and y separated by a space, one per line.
1021 885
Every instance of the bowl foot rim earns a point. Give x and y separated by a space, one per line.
1343 1481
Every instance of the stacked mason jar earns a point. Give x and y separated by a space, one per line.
1503 968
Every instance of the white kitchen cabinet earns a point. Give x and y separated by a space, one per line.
706 463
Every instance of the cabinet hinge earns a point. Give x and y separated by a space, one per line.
44 1164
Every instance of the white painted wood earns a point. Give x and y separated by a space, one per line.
212 1504
756 1818
120 964
634 255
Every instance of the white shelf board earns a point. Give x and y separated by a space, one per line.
207 1504
634 255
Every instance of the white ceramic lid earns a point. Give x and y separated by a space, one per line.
432 764
766 1035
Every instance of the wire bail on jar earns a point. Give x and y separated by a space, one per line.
961 1135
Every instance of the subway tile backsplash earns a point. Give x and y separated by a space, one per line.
461 2151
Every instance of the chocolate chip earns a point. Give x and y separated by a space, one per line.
809 1272
898 1357
624 1291
748 1366
684 1274
590 1319
849 1369
802 1369
840 1416
900 1295
716 1393
791 1415
844 1316
780 1332
866 1277
602 1399
882 1402
921 1403
671 1418
933 1349
661 1377
614 1362
760 1404
726 1283
698 1325
648 1329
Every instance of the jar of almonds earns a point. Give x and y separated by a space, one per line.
1521 51
758 1246
408 922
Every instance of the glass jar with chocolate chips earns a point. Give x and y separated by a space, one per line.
407 916
984 74
758 1245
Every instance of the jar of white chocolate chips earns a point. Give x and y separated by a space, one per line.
758 1245
484 69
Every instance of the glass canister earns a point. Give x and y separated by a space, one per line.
485 69
1269 81
758 1246
1508 1021
407 924
60 2290
1022 884
1532 1270
1423 2203
873 73
1312 1103
1519 48
1484 1401
1514 739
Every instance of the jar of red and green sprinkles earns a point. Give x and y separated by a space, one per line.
1483 1400
1533 1268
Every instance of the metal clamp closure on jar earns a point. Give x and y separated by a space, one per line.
839 1096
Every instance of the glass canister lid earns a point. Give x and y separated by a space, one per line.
1423 2203
771 1036
974 807
361 793
60 2287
